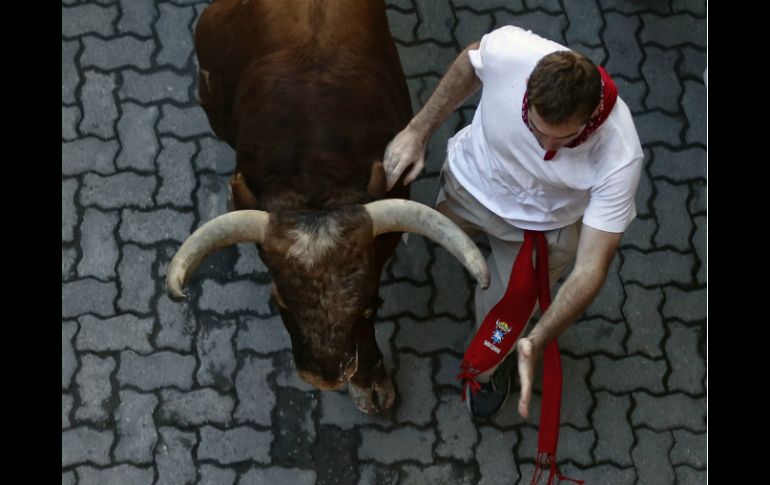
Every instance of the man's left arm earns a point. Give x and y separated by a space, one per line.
595 251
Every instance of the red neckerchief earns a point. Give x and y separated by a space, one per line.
609 95
501 328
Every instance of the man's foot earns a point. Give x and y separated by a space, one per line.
489 399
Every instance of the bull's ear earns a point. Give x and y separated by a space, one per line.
241 197
376 187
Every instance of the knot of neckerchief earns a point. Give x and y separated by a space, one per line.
608 97
501 328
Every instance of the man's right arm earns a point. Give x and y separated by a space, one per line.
408 147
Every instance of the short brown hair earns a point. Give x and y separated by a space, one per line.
564 85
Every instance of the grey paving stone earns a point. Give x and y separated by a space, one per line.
687 476
88 296
693 62
334 450
256 398
585 22
116 191
494 455
651 457
136 281
609 301
215 155
97 240
624 57
294 417
68 362
338 409
640 234
593 335
85 445
659 70
66 408
699 244
695 7
644 195
526 447
689 449
624 6
68 258
411 260
69 71
155 226
482 5
576 445
173 28
425 59
698 198
117 333
548 5
688 366
694 104
174 456
405 299
160 369
597 54
177 325
263 335
212 475
400 444
656 268
436 20
139 144
672 30
88 154
669 412
471 26
655 127
575 391
286 373
94 388
69 215
632 93
236 296
184 122
68 478
644 320
121 51
432 335
688 306
115 475
456 432
137 16
679 166
176 173
137 435
211 195
377 475
615 436
453 294
154 87
436 475
195 408
215 353
413 381
448 368
402 25
548 25
234 445
249 262
99 109
87 19
628 374
70 117
674 222
275 474
597 475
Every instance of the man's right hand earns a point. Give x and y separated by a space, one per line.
405 150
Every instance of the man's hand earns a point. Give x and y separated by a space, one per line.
406 149
527 357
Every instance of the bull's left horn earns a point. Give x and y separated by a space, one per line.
393 215
231 228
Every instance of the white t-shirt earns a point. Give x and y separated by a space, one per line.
498 160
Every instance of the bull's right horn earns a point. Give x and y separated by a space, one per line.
393 215
231 228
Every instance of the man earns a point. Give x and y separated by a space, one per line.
551 148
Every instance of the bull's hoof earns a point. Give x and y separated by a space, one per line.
374 399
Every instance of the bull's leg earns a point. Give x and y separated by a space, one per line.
371 387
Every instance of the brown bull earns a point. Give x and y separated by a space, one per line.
309 93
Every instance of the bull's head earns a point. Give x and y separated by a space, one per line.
326 271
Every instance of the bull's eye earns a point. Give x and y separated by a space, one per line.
367 313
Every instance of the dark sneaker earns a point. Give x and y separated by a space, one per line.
488 400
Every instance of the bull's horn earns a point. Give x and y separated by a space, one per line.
393 215
231 228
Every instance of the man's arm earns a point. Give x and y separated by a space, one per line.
408 147
594 255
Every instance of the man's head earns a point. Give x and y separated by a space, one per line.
563 92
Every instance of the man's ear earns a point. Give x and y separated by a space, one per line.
241 197
376 187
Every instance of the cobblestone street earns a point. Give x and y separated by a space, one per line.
206 392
